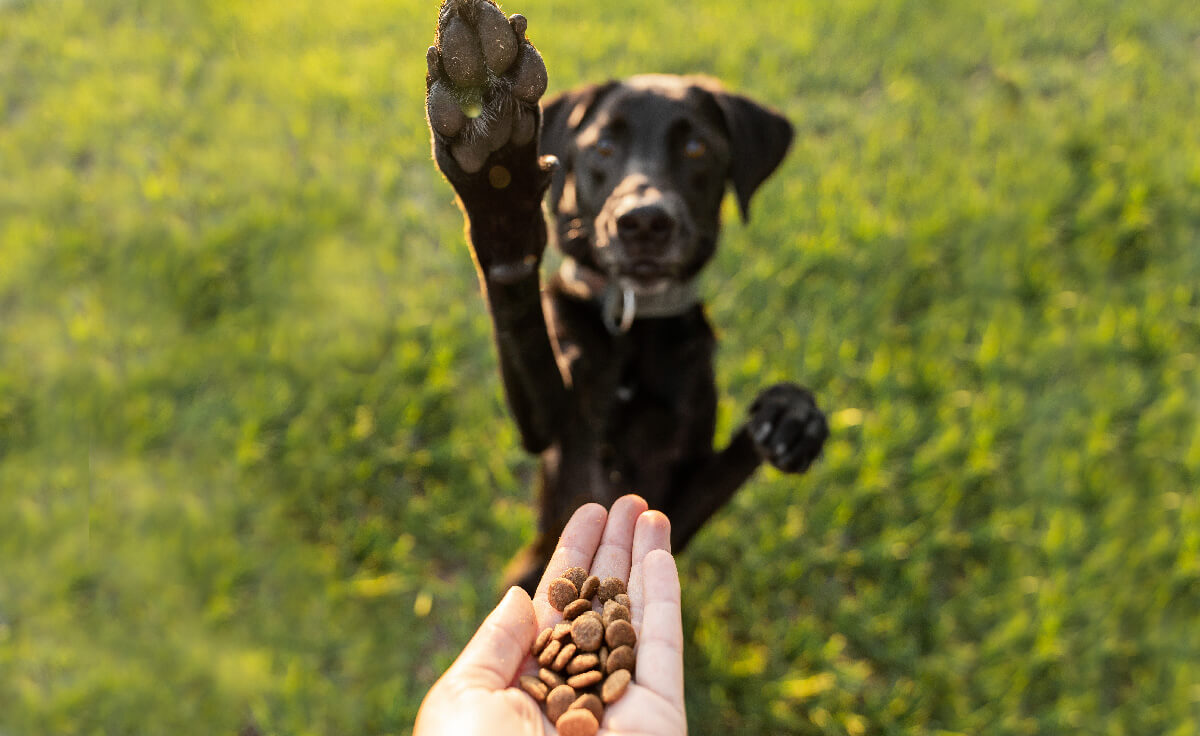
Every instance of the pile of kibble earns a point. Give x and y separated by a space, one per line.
586 662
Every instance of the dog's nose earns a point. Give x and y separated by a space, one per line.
648 224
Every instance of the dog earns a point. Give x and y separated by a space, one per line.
608 369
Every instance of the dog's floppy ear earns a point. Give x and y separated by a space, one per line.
562 117
759 139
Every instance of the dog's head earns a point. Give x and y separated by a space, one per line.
644 166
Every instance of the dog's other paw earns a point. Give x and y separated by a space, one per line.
787 427
483 84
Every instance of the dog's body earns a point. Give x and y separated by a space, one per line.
609 373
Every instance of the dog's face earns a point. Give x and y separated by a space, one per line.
645 164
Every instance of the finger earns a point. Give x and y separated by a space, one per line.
493 656
660 644
576 546
612 558
653 532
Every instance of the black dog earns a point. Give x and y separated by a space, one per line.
609 373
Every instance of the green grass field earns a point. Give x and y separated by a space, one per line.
257 475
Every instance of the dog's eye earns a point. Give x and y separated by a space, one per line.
694 148
605 147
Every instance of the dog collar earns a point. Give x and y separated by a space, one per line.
621 305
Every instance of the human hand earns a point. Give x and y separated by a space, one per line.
478 693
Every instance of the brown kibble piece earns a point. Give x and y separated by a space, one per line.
577 722
561 593
577 607
590 702
590 586
557 702
621 658
614 686
576 575
610 587
582 663
535 687
549 653
603 656
585 679
620 633
623 599
564 657
551 678
613 611
542 640
587 632
560 631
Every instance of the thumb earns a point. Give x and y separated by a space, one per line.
494 655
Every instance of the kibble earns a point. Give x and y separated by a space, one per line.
621 658
585 679
610 587
618 634
562 592
578 722
588 633
576 608
614 686
587 659
576 575
591 702
559 699
587 591
564 658
535 687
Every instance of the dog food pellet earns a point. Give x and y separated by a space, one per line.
576 575
610 587
535 687
578 722
585 679
587 659
573 611
613 611
461 56
562 592
590 702
564 658
581 663
621 658
587 591
497 37
588 633
542 640
557 702
618 634
549 653
614 686
551 678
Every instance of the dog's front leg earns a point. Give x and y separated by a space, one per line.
483 84
784 428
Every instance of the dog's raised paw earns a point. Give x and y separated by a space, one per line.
787 427
484 82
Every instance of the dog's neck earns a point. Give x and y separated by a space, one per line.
621 305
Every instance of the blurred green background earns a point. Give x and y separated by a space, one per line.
257 475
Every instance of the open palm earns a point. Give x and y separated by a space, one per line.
478 694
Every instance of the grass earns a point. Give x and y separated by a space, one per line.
256 473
